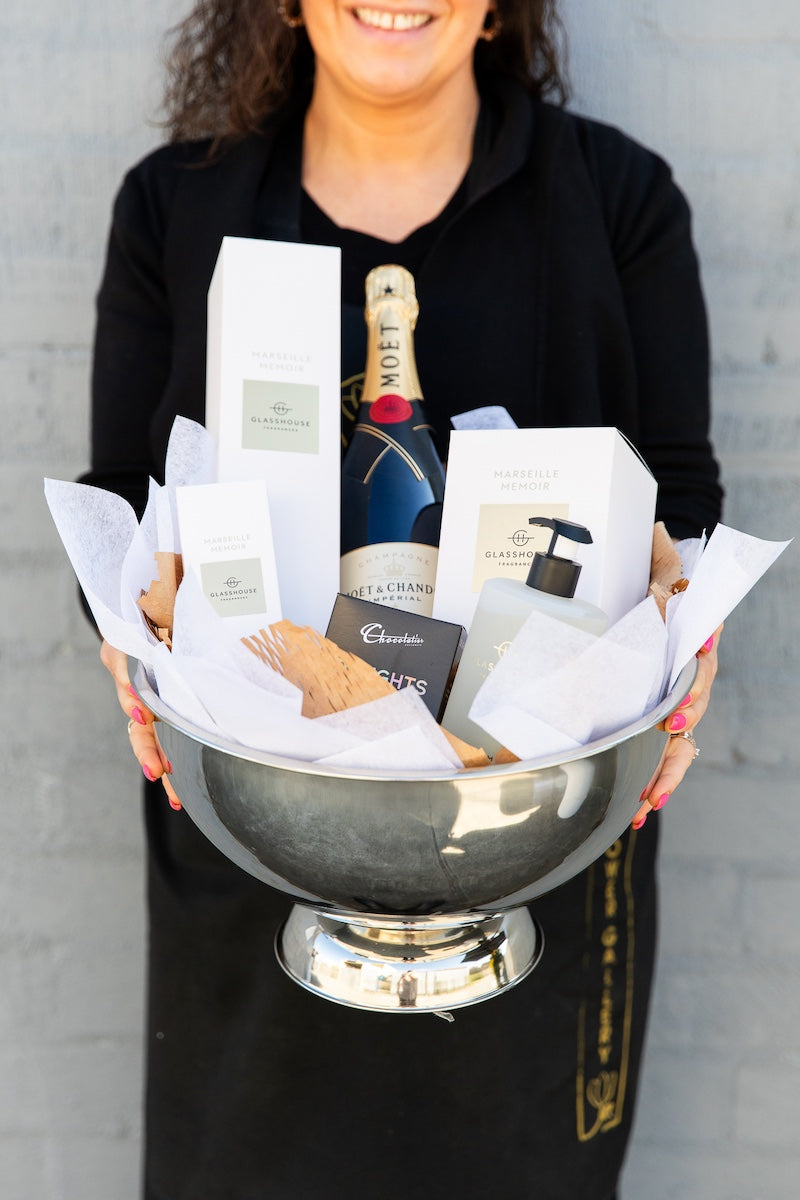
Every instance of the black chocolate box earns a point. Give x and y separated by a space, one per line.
407 649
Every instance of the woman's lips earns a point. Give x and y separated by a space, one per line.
399 22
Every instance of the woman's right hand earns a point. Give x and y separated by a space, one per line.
141 723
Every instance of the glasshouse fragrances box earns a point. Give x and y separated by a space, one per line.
226 540
273 402
407 649
498 479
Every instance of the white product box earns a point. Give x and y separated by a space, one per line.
226 542
498 479
273 402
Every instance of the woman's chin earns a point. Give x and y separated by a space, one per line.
387 84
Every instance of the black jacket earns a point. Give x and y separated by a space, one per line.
566 288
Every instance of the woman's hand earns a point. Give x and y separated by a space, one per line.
141 723
680 750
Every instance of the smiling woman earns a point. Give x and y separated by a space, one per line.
396 56
556 275
389 129
233 62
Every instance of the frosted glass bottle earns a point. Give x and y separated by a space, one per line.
503 607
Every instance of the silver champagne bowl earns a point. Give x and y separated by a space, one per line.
410 892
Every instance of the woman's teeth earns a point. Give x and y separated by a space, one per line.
380 19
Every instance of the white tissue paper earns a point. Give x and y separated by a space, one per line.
493 416
556 688
398 734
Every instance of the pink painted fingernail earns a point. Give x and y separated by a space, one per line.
138 716
639 821
643 796
131 691
677 721
168 767
685 701
708 645
174 804
148 774
661 801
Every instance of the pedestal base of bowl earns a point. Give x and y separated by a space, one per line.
406 964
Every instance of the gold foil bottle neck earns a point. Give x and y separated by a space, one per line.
391 284
391 315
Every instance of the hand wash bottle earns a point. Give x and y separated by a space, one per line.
503 607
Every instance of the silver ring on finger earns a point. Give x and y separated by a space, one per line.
690 739
131 726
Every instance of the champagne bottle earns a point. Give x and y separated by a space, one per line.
392 477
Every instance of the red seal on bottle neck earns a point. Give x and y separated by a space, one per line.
390 409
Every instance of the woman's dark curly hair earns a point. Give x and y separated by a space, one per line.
233 62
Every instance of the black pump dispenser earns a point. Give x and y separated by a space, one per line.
549 573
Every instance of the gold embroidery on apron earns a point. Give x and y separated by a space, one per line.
351 398
603 1043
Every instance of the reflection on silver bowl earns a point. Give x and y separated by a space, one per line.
410 892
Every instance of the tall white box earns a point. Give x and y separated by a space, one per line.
498 479
273 403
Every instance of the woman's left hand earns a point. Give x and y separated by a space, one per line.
680 750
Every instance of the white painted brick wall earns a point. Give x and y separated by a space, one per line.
77 83
716 87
